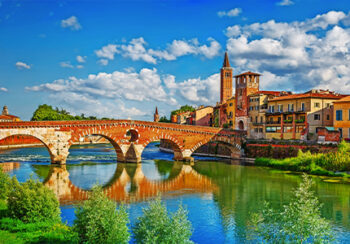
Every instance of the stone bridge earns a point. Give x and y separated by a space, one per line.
129 184
128 137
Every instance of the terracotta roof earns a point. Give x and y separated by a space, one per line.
343 100
308 95
6 117
275 93
226 63
248 73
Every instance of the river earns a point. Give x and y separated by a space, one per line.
219 195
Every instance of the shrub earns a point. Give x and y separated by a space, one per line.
4 184
31 201
299 222
99 221
156 226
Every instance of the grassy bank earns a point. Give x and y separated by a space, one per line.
327 164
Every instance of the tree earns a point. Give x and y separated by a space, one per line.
299 222
164 119
156 226
99 221
31 201
5 181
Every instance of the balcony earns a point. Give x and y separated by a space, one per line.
273 122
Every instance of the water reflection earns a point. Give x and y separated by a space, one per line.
129 183
10 166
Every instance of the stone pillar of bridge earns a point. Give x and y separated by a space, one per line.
58 144
184 155
133 154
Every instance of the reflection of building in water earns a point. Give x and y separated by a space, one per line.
7 167
129 184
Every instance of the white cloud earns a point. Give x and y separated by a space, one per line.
299 55
81 59
107 52
103 62
102 93
79 66
66 64
3 89
136 50
22 65
285 3
71 23
231 13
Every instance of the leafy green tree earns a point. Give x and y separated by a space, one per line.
164 119
185 108
31 201
99 221
5 181
299 222
156 226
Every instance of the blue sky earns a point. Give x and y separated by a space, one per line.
122 58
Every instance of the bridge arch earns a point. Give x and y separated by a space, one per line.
109 137
172 143
235 149
39 137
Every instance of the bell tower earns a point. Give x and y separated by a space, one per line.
156 116
225 80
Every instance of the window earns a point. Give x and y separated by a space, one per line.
290 107
328 105
328 117
317 117
339 115
260 130
280 108
256 119
316 105
227 74
302 106
231 104
341 132
256 108
271 109
261 119
256 130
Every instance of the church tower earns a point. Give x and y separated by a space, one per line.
225 80
5 111
156 116
246 84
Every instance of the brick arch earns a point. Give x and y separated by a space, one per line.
119 151
234 147
38 136
178 148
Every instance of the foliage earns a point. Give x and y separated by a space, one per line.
156 226
299 222
164 119
31 201
185 108
319 164
39 232
5 181
99 221
48 113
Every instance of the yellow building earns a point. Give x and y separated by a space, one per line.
341 116
290 116
258 103
231 111
6 117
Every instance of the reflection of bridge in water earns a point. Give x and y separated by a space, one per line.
129 184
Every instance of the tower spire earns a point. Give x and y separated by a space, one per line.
226 62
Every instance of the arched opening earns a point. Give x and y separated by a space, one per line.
240 125
162 149
17 149
92 160
132 135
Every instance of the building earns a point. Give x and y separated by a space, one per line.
246 84
156 116
201 116
258 104
231 111
341 116
183 117
289 116
6 117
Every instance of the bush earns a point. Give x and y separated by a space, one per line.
99 221
39 232
299 222
156 226
4 184
31 201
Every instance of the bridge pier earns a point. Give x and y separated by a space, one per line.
133 154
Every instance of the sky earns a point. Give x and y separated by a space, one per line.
121 59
